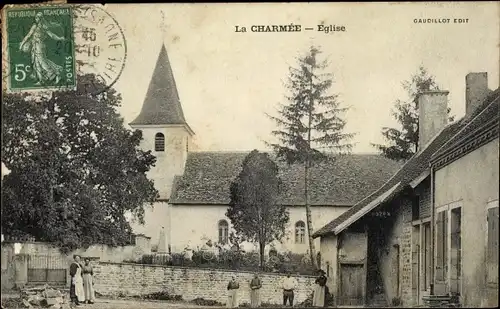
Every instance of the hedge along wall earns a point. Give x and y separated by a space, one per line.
190 283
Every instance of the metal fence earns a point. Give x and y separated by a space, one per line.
47 269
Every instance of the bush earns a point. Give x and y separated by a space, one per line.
162 296
396 301
249 261
205 302
268 305
201 257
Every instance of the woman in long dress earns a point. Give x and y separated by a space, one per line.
320 290
76 291
232 289
43 69
88 282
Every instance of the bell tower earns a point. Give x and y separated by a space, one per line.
164 128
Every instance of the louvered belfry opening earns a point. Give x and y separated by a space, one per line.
159 142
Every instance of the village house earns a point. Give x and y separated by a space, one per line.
194 185
381 251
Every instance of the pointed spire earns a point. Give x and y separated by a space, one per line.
162 104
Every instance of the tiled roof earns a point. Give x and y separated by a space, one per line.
343 181
411 170
415 166
162 104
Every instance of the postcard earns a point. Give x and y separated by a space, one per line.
250 154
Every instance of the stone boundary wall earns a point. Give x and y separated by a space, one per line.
191 283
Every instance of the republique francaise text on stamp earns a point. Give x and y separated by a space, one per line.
50 47
40 48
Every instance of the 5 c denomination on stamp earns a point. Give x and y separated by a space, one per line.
40 48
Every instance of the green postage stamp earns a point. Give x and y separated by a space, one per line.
40 48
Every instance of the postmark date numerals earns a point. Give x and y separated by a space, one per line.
90 49
89 34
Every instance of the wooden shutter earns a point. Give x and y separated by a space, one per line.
427 255
492 250
455 255
439 246
445 245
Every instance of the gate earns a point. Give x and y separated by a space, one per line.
47 269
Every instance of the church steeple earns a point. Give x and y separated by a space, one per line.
161 105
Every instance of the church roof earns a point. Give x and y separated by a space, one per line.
161 105
342 182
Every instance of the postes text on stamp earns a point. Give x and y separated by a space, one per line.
40 48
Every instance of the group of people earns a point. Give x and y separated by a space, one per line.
288 285
82 285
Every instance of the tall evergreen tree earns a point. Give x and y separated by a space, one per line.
403 142
311 128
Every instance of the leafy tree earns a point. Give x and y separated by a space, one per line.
310 122
403 142
75 169
253 209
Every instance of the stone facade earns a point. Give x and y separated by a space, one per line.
405 257
405 268
190 283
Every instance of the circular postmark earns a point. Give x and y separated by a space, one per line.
100 48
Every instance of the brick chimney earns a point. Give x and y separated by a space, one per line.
476 91
432 115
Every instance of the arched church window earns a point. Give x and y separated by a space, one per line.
159 142
300 232
223 232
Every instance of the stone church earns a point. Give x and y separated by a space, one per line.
194 185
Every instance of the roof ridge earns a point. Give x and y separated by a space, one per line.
380 191
466 125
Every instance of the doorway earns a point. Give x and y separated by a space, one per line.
352 285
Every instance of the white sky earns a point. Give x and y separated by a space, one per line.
227 81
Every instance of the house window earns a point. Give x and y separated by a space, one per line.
441 246
300 232
223 232
159 142
492 245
